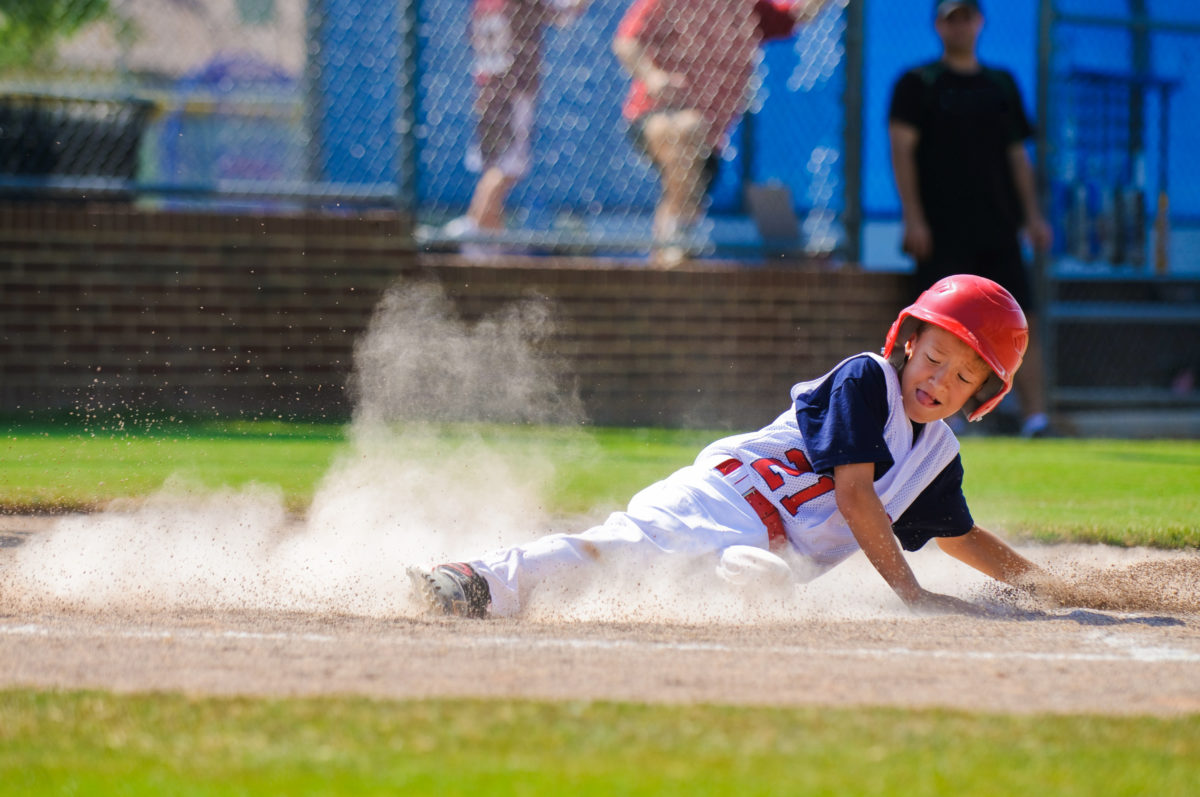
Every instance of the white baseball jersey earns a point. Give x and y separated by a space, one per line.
776 463
703 510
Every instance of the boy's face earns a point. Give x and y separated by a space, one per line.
941 374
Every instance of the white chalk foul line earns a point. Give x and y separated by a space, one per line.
1129 653
1126 653
33 630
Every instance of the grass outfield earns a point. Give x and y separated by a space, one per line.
90 743
1111 491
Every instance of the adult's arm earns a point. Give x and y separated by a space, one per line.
634 56
1036 227
917 239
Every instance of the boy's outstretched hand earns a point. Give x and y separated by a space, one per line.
872 528
932 603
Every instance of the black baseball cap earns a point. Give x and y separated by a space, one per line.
942 8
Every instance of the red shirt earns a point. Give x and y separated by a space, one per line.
712 44
776 20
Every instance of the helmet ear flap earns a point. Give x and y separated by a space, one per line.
991 388
905 327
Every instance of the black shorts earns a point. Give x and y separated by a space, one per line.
712 164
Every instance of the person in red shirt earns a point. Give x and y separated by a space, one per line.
691 62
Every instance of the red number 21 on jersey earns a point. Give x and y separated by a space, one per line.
800 466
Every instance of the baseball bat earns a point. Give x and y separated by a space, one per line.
1161 230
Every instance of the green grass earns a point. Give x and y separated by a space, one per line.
88 743
65 467
1117 492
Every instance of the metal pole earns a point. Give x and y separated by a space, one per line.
852 133
1143 22
1162 218
314 92
1043 279
1133 191
409 97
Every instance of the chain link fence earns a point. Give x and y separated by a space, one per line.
597 168
508 125
339 103
1122 102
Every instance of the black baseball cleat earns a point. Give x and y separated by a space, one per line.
453 589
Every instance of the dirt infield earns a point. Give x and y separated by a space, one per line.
1022 660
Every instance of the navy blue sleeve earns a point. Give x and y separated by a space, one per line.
939 511
842 419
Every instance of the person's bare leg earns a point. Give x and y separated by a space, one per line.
676 143
1030 384
487 203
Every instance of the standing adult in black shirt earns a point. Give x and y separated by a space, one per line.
958 130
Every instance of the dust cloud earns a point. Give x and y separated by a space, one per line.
410 490
420 484
1114 580
1128 580
418 362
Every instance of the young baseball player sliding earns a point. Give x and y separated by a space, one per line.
861 460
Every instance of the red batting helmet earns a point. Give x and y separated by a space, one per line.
982 315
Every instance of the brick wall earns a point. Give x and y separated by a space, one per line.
112 307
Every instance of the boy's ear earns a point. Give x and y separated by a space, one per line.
908 346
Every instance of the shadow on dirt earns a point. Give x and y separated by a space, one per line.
1086 617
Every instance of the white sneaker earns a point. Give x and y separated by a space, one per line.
677 241
460 228
668 257
463 229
